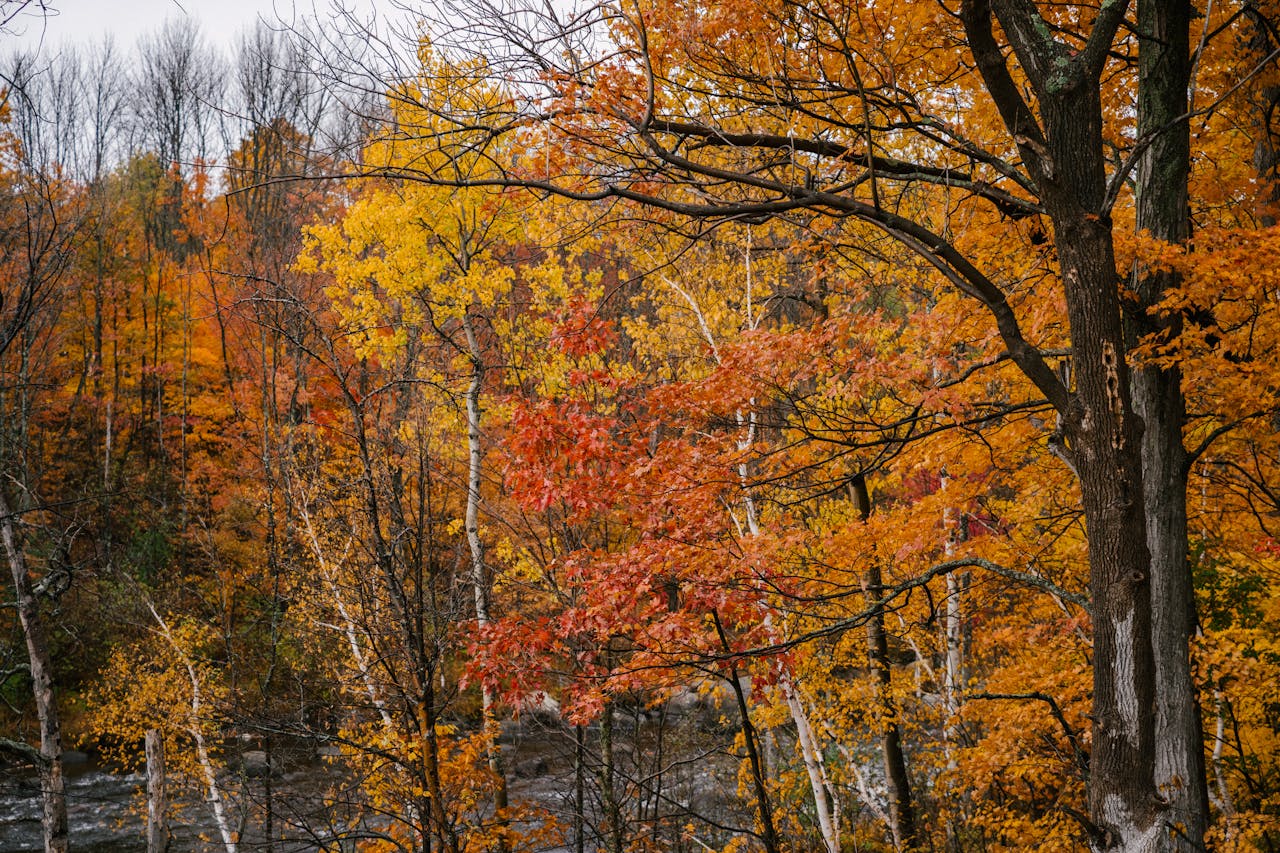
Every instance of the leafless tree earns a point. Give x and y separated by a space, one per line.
37 228
177 92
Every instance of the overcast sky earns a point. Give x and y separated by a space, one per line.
88 21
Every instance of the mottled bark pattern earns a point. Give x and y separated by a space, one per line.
52 781
157 817
1164 62
1064 155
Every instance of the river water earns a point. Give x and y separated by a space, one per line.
106 812
106 805
98 807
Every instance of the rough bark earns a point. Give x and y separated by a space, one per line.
53 798
1105 434
1164 74
1065 157
157 818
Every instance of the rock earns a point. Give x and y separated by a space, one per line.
531 768
543 708
256 765
508 731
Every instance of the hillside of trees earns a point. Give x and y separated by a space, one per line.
725 426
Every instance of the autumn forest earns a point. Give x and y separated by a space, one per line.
653 425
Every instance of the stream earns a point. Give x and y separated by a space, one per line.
107 812
98 809
106 809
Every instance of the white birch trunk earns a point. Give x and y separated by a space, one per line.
214 793
348 626
479 582
825 803
864 789
952 637
53 797
1222 798
827 806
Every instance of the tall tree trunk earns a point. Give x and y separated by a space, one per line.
1164 75
1105 433
53 796
479 580
1064 155
902 815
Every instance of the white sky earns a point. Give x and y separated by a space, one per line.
86 22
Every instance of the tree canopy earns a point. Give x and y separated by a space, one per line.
726 426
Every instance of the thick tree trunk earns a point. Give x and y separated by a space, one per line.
52 782
1164 75
1061 144
1266 151
1105 434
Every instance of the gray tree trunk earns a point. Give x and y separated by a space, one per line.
157 819
1061 145
1164 75
53 797
1266 151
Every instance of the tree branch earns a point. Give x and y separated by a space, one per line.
24 751
1014 111
1081 757
888 167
